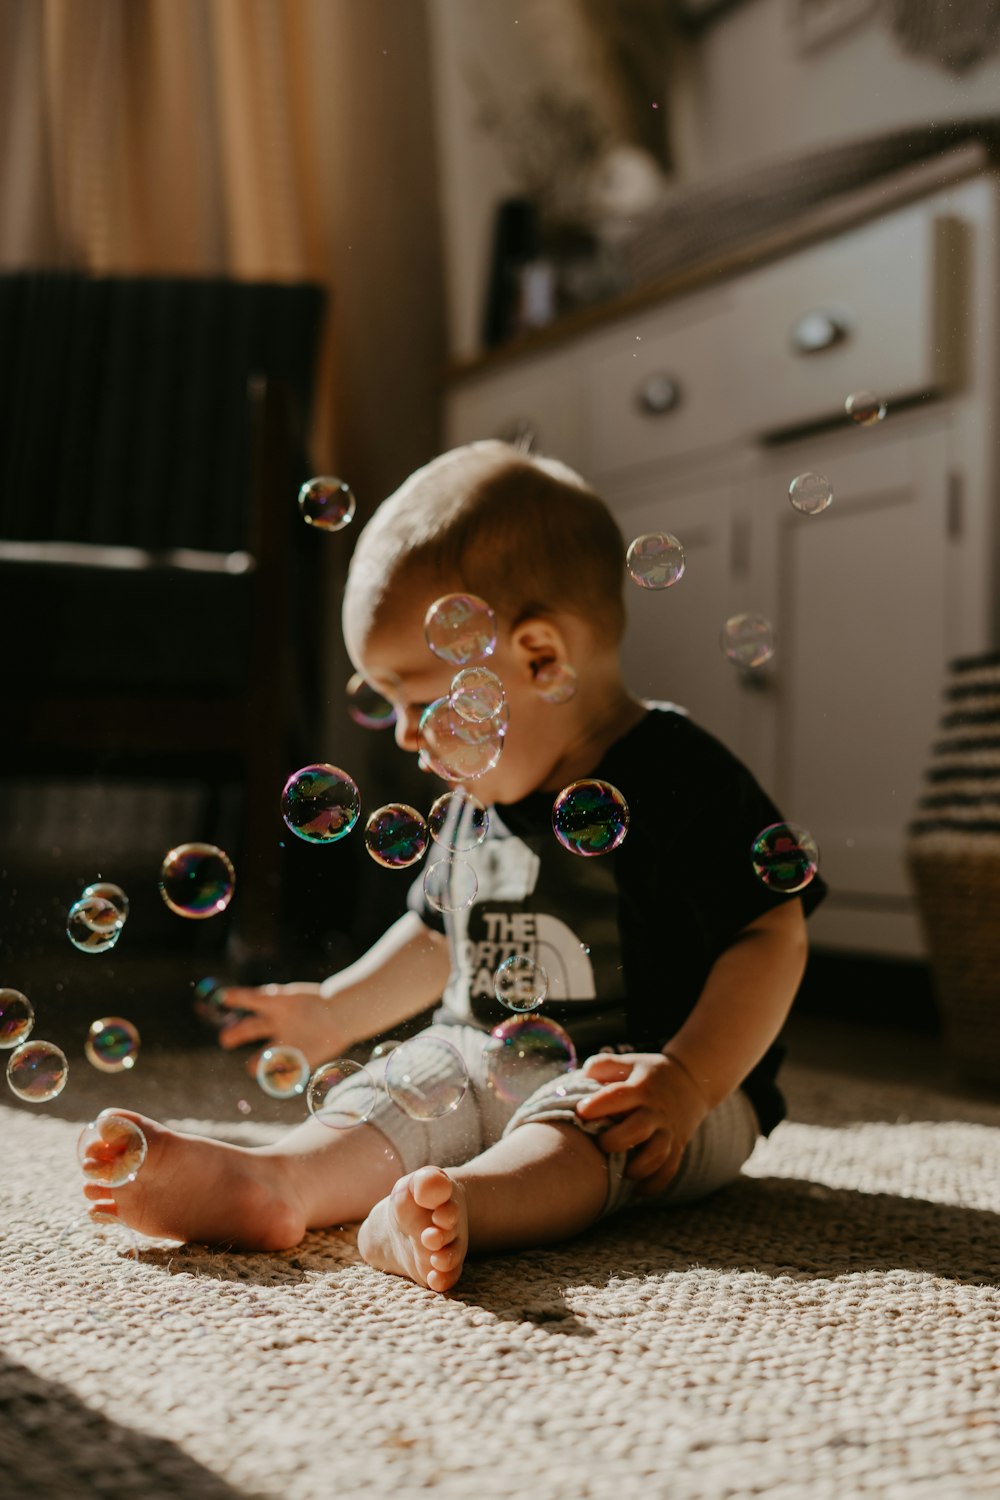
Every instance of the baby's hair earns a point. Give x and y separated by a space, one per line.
525 533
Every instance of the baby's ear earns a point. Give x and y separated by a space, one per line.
536 642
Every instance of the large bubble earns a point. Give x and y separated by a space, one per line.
111 1150
748 640
460 628
521 983
458 821
455 749
396 836
785 857
37 1071
525 1052
326 503
320 803
341 1094
112 1045
197 880
367 706
93 925
450 885
590 817
426 1077
655 560
476 694
17 1017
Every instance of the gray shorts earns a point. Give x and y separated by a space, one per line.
713 1157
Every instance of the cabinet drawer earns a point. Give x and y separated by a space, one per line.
874 310
660 388
535 404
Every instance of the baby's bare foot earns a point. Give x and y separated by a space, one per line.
421 1230
192 1188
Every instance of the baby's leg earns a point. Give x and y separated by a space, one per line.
545 1181
259 1198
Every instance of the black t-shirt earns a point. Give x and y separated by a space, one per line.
627 938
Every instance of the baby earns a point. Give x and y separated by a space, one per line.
671 965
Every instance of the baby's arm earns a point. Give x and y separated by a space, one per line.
403 973
656 1101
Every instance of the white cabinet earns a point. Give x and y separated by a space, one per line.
871 598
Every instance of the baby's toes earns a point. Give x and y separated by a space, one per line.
431 1188
435 1238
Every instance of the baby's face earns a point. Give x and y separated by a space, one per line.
396 659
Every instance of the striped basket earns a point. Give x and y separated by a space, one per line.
953 852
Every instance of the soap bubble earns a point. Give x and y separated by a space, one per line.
17 1016
282 1072
460 628
396 836
106 890
341 1094
865 408
111 1149
525 1052
103 1240
521 983
197 880
209 1007
367 706
476 694
112 1045
382 1049
93 925
450 885
785 857
326 503
426 1077
810 493
453 748
320 803
655 560
555 682
37 1071
590 817
748 640
458 821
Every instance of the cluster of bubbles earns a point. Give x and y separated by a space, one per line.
95 921
656 560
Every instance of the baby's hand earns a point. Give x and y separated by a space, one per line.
656 1110
291 1015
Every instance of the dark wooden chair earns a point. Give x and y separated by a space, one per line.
159 589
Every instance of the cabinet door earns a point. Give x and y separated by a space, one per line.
861 616
671 649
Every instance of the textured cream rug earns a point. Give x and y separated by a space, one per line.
827 1327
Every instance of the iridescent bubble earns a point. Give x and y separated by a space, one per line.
655 560
476 694
460 628
458 821
450 885
197 880
17 1016
521 983
453 748
326 503
103 1240
785 857
590 817
106 890
93 925
810 493
865 408
396 836
426 1077
320 803
367 706
525 1052
37 1071
341 1094
209 1006
244 1107
748 640
112 1045
111 1150
282 1072
555 682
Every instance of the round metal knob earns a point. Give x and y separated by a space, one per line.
658 394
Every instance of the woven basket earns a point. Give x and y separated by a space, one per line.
953 852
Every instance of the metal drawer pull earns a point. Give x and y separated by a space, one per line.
658 394
816 331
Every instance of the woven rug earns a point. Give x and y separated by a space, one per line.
829 1326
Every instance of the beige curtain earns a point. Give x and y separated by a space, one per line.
170 136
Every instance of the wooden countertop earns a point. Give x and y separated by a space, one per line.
845 211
